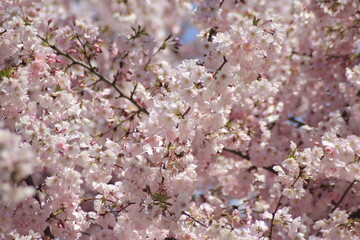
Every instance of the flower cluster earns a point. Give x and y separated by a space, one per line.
111 127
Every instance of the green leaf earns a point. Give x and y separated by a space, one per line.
178 114
256 21
138 32
58 88
6 72
160 199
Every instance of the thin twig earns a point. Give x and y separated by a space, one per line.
119 124
95 199
162 47
94 83
195 220
133 91
186 112
278 205
339 202
273 216
125 206
343 196
85 52
221 66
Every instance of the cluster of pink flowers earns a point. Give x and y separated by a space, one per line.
112 128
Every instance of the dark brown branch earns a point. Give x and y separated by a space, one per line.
270 169
278 205
273 217
186 112
238 153
247 157
123 207
212 33
88 58
297 122
30 182
343 196
195 220
162 47
339 202
221 66
133 91
94 83
94 71
221 3
131 117
95 199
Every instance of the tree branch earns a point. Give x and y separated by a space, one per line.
297 122
94 71
240 154
221 66
343 196
195 220
247 157
277 207
273 216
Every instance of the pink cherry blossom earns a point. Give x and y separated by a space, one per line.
113 126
